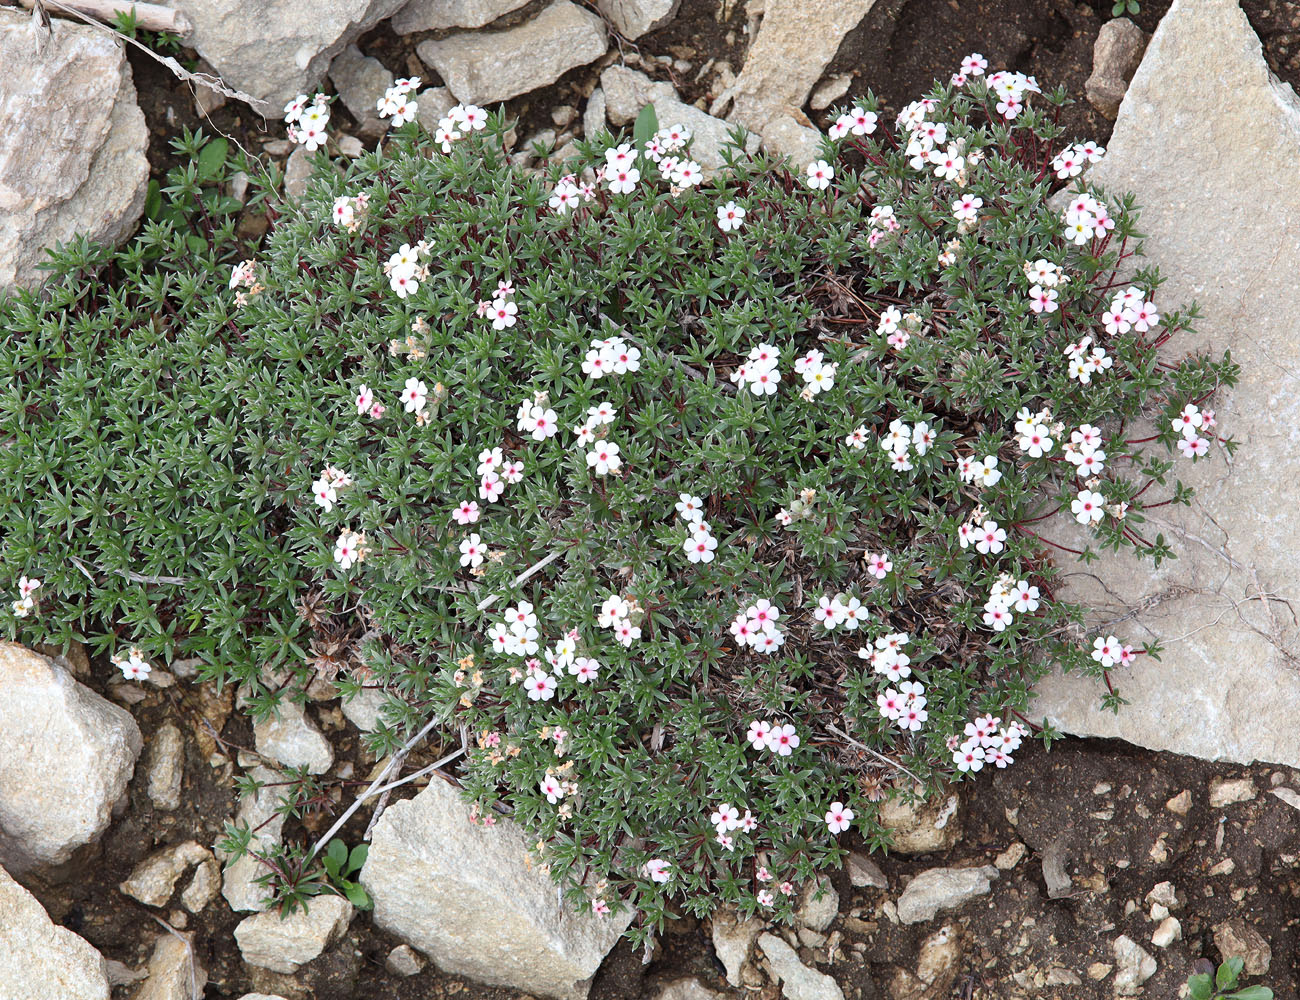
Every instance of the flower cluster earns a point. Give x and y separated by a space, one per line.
759 371
611 356
887 656
1191 424
780 739
461 121
350 211
133 665
619 615
404 270
1070 161
397 103
906 706
1007 598
325 490
307 121
1086 219
756 627
26 603
987 741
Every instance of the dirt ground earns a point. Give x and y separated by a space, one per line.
1100 824
1092 812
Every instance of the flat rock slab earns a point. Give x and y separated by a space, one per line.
438 15
472 899
1211 148
275 49
72 143
42 961
66 756
485 67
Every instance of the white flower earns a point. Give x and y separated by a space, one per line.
604 458
820 175
730 217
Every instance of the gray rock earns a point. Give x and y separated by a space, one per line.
733 943
154 879
830 91
174 970
364 711
360 82
286 48
633 18
166 767
286 944
287 735
798 982
1225 684
1229 791
627 91
1169 931
790 137
431 106
350 146
39 960
942 889
864 872
261 996
1133 966
1234 938
921 826
297 172
819 905
688 989
72 144
472 899
593 115
404 961
1115 58
795 43
203 887
487 67
438 15
66 756
258 813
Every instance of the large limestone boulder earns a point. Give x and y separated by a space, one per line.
472 899
275 49
41 961
796 41
66 756
1211 147
72 143
485 67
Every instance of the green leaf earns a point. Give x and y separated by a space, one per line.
358 857
647 124
1252 993
212 158
1200 986
153 201
356 895
1229 971
337 851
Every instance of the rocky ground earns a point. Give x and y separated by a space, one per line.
1094 870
